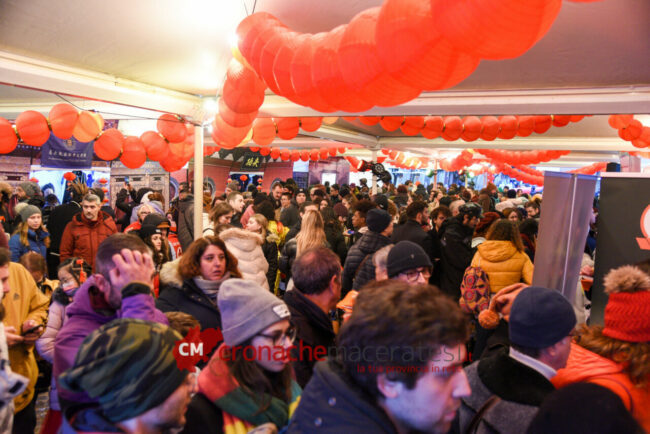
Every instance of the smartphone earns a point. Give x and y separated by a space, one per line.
32 330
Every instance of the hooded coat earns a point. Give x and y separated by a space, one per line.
84 315
503 263
23 302
246 246
36 240
82 237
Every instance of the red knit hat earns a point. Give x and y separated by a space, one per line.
627 314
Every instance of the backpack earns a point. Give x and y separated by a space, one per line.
474 291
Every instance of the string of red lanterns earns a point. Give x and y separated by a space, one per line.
631 130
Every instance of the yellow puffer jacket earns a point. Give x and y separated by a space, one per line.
503 264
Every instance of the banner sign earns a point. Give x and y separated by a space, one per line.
252 160
623 230
69 153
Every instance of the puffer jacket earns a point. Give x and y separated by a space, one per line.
585 366
503 263
82 237
186 221
23 302
359 269
36 240
246 246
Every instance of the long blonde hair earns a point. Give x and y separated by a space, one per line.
312 232
23 230
263 222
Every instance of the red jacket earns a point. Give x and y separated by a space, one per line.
82 237
586 366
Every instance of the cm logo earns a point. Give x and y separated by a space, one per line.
190 348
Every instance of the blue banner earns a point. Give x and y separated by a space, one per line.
69 153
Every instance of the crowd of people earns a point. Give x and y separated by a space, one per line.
332 309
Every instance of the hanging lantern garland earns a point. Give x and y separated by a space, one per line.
631 130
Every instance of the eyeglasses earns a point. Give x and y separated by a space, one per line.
413 275
279 336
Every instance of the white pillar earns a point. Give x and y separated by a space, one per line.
198 181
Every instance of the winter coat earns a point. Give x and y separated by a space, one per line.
270 249
181 295
289 216
315 334
287 256
125 201
521 389
503 263
586 366
246 246
23 302
294 231
135 226
331 405
411 230
208 226
36 240
457 253
45 344
89 311
359 269
510 203
59 219
337 242
82 237
11 385
186 221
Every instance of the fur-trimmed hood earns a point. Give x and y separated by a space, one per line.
169 274
244 240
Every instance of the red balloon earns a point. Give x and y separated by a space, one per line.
63 117
235 119
264 130
171 127
243 91
32 128
288 128
156 147
311 124
453 128
133 155
471 128
493 29
109 144
8 138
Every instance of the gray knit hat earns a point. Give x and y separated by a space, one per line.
247 309
30 188
28 211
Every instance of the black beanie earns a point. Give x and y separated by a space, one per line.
377 220
512 194
404 256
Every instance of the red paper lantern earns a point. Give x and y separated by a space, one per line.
295 155
643 141
542 123
471 128
391 123
314 154
88 126
526 126
433 126
275 153
171 127
282 68
304 155
254 149
453 128
32 128
269 53
133 155
8 138
155 146
69 176
263 131
369 120
102 181
235 119
285 155
332 152
561 120
249 30
243 178
227 136
494 29
508 127
33 180
265 34
341 150
63 117
400 158
265 151
311 124
490 129
109 144
243 91
412 125
632 131
301 75
288 128
620 121
324 154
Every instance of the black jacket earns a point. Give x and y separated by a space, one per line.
331 404
289 216
123 204
358 269
293 231
436 256
315 334
190 299
337 241
186 221
411 230
59 219
270 249
287 257
457 254
202 415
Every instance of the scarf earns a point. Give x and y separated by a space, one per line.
211 287
240 410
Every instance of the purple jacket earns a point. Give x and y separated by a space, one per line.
82 320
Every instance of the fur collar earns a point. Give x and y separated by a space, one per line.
245 240
169 274
513 381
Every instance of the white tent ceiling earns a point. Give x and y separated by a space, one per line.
165 55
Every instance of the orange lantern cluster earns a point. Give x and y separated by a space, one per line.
387 55
464 159
521 174
521 157
294 155
631 130
400 160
